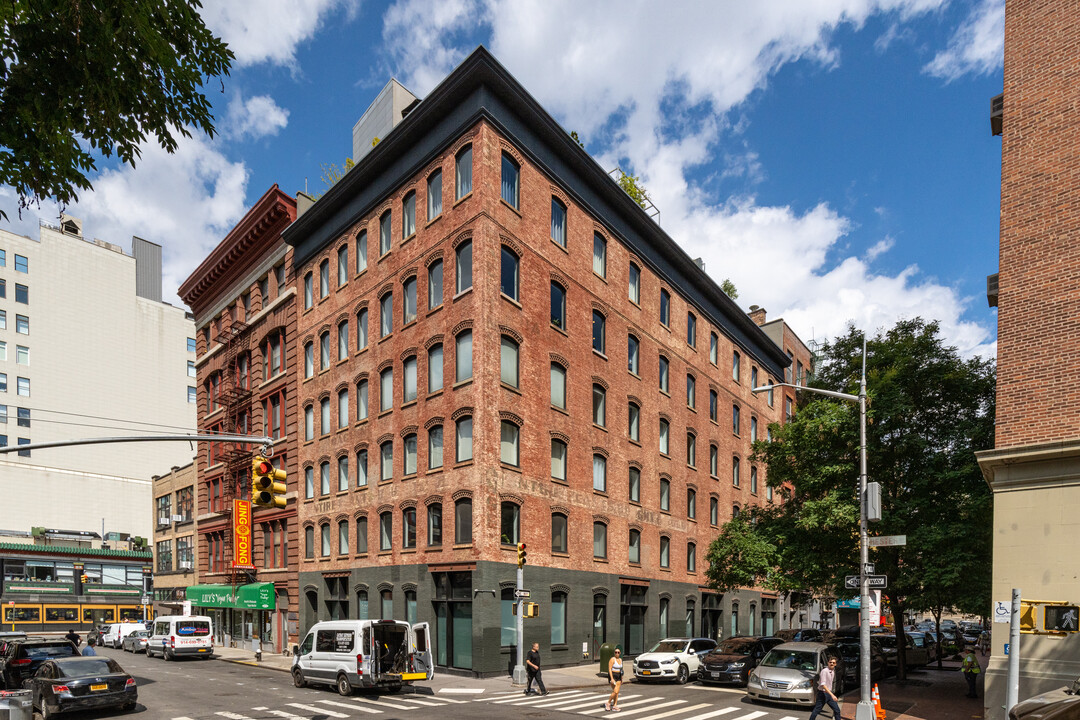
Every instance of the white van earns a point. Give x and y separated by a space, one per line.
116 632
351 654
174 635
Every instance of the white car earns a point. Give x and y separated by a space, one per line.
672 659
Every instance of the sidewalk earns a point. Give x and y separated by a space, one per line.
927 694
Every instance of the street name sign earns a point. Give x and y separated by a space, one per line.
887 540
874 582
868 568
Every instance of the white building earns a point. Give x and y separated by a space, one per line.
88 349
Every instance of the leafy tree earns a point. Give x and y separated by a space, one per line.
930 410
97 77
631 184
575 138
331 173
729 288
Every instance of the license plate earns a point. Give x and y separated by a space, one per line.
98 687
774 693
714 674
646 672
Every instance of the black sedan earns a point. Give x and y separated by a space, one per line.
81 683
733 659
849 650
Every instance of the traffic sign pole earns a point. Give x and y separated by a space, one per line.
519 668
865 709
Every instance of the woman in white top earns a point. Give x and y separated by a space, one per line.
614 671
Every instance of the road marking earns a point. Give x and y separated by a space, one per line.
260 709
317 710
383 703
462 691
750 716
736 691
576 702
544 699
789 717
335 703
232 716
283 714
598 699
182 717
676 711
714 713
637 710
441 701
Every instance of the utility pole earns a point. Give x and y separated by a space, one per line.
865 709
519 677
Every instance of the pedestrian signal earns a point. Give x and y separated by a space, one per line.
521 554
1028 613
1061 618
267 483
531 610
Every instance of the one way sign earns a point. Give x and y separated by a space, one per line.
874 582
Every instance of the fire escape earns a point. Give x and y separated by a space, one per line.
235 398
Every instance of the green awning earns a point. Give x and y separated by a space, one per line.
254 596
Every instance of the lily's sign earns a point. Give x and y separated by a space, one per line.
242 535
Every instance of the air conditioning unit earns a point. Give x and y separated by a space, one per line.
185 564
177 518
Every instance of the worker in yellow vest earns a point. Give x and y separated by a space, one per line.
970 668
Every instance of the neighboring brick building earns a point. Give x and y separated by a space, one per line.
242 296
1036 460
497 344
176 530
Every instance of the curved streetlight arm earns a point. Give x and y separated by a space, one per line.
819 391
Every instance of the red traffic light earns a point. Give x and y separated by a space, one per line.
264 467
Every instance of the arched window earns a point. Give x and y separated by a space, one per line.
463 172
510 523
735 419
714 512
408 382
634 292
558 386
309 542
324 539
361 329
509 443
599 541
463 273
463 356
558 221
691 449
435 368
386 389
386 530
464 435
342 265
362 536
558 306
714 460
434 524
691 557
691 503
309 296
343 473
632 348
598 333
634 488
410 454
753 480
714 347
435 284
665 494
361 468
408 215
634 546
408 528
664 433
324 279
509 274
634 421
508 360
665 551
735 471
435 447
386 314
691 329
408 309
343 408
343 537
599 405
463 521
309 360
362 400
384 233
558 459
599 255
324 478
386 460
324 350
665 307
309 482
663 374
309 422
343 340
434 195
691 391
559 533
599 472
511 179
324 416
361 252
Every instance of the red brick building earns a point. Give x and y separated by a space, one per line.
242 296
1036 459
496 344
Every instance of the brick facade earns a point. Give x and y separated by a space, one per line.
242 296
351 579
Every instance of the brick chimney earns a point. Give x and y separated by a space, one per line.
757 314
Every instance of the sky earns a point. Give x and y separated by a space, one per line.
832 158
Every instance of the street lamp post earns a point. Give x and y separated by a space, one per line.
865 709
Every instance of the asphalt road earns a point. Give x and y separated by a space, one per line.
216 690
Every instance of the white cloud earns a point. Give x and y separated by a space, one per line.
653 87
260 31
977 46
254 118
187 202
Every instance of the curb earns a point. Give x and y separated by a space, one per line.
249 663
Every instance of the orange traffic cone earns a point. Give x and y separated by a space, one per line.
879 711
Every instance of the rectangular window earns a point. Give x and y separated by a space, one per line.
408 216
3 288
3 351
435 447
384 233
24 387
21 264
463 356
22 324
635 485
191 345
192 394
558 618
386 315
463 173
386 389
434 195
409 380
22 294
511 176
435 284
191 370
342 265
464 439
435 368
24 453
691 329
361 252
599 256
665 307
599 473
23 417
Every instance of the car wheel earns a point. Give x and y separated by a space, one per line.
46 713
165 654
395 688
343 685
298 678
682 675
128 707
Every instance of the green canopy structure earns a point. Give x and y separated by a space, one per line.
254 596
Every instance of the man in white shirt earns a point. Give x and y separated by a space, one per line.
825 693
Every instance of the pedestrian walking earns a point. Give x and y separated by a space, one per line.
970 668
532 669
73 637
614 671
825 695
89 650
984 643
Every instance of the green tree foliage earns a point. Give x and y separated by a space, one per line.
631 184
97 77
729 288
331 173
930 410
575 138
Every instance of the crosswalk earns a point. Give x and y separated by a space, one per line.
591 704
587 703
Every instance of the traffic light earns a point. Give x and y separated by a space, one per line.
521 554
532 610
1028 614
83 578
267 483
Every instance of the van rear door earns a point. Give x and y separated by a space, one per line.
422 667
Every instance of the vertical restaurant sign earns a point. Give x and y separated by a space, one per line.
242 534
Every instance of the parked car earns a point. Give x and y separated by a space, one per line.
1060 704
926 641
786 673
850 651
22 658
81 683
914 656
94 636
799 635
135 642
116 632
672 659
732 660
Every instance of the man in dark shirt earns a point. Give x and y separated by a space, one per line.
73 637
532 669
